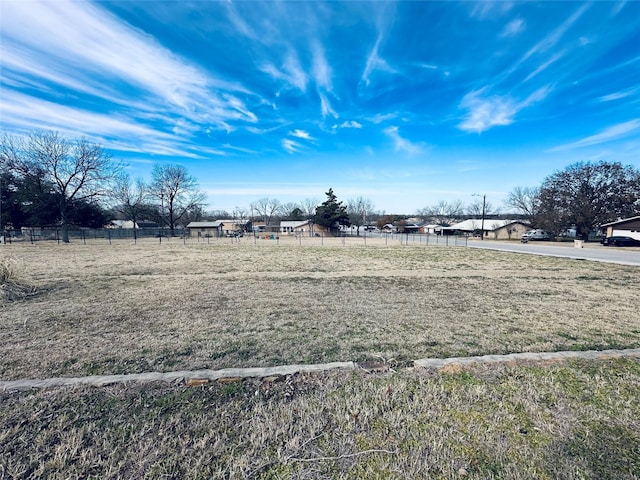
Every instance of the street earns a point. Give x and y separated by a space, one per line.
591 251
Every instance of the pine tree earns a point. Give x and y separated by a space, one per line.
331 213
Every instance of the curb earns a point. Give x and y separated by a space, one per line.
512 358
199 377
188 376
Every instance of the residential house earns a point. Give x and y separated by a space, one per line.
207 229
626 227
218 228
289 226
130 224
431 229
493 228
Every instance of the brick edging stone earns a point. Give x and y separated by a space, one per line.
442 364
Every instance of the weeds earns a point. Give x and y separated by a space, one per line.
151 307
495 421
11 287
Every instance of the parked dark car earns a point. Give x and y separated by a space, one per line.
620 241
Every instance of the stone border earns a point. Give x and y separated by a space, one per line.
550 357
200 377
187 376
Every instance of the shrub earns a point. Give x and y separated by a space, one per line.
11 288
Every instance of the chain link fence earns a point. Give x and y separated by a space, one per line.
164 235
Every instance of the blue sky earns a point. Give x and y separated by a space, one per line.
406 103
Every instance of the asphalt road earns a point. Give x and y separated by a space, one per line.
591 251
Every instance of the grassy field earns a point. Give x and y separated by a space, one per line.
102 309
578 420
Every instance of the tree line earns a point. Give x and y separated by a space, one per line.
583 196
47 179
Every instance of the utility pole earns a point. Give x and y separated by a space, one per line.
484 203
484 212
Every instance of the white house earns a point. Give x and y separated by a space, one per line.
493 228
626 227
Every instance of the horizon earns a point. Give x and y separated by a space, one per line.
404 103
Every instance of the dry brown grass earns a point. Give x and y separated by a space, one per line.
577 420
124 308
12 288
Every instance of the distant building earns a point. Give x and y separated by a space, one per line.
208 229
130 224
626 227
431 229
494 229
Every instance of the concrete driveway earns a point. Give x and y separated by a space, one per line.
591 251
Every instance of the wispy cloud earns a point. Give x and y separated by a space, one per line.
544 65
325 106
350 124
116 132
291 146
435 68
485 112
321 68
300 134
536 96
104 58
554 37
249 151
609 134
619 95
382 117
618 7
292 72
483 10
513 28
402 144
238 22
375 62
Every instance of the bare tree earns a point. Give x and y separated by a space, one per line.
308 206
241 217
176 190
477 207
443 212
76 170
525 200
266 208
291 211
194 214
359 209
130 197
217 214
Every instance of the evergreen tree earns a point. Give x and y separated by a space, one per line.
331 213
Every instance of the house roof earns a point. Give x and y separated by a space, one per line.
621 221
293 223
489 224
216 224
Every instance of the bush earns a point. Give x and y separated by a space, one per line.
11 288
